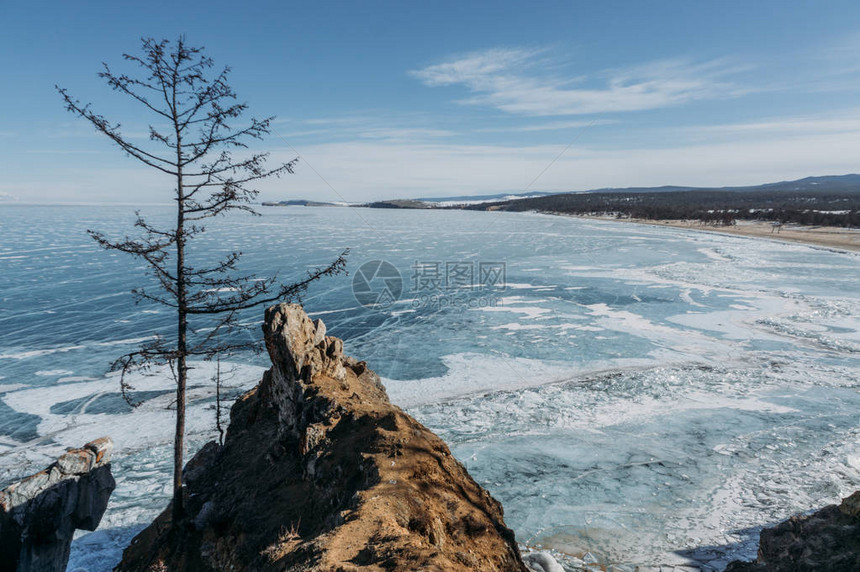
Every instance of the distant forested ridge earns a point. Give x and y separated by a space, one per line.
298 203
820 201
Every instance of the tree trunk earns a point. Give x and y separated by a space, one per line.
182 328
181 380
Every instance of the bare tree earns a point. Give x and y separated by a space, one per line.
191 141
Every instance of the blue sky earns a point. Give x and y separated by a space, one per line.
401 99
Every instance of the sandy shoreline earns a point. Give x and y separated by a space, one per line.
830 236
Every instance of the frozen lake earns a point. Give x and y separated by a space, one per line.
651 395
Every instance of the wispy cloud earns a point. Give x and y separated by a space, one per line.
525 81
845 121
368 170
829 65
71 151
838 56
404 133
411 127
551 126
478 70
351 120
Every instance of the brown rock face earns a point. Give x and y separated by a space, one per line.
320 472
825 541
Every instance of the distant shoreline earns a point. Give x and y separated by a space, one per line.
829 236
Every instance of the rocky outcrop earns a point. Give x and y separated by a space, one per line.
320 472
39 514
825 541
541 562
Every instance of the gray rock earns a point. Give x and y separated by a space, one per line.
76 462
319 331
299 351
826 540
290 338
589 558
201 462
102 448
541 562
40 513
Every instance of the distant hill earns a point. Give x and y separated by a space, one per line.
299 203
399 204
850 183
812 200
484 198
830 201
830 183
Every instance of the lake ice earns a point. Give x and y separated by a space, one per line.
651 395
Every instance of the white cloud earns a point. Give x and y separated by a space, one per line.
478 70
412 127
63 184
552 126
70 151
362 171
351 120
837 56
404 133
848 122
516 81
